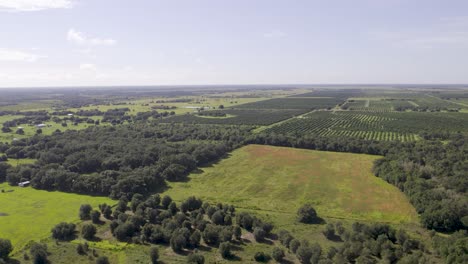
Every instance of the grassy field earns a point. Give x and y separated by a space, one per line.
28 214
277 180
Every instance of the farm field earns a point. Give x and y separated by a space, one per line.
278 180
373 125
29 214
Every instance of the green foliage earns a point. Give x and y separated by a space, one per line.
154 255
225 250
278 254
261 257
85 211
95 216
102 260
306 214
38 253
196 258
64 231
5 248
88 231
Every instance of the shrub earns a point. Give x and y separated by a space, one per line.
5 248
225 250
85 211
259 234
294 245
195 239
102 260
277 254
196 258
38 253
307 214
261 257
95 216
154 255
329 231
88 231
63 231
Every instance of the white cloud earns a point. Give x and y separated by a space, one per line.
17 55
443 32
274 34
88 67
33 5
80 38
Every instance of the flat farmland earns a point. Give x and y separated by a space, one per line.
278 180
29 214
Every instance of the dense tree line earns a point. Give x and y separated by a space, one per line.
118 161
374 243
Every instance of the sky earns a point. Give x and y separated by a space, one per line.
196 42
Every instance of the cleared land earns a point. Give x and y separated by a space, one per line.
28 214
278 180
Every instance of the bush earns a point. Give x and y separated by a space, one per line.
88 231
307 214
95 216
102 260
277 254
225 250
329 231
85 211
38 253
237 232
195 239
261 257
80 249
5 248
154 255
294 245
63 231
196 258
259 234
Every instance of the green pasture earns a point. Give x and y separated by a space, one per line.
29 214
277 181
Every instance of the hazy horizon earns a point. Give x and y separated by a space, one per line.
84 43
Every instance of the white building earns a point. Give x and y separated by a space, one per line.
24 184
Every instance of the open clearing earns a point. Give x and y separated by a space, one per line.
278 180
28 214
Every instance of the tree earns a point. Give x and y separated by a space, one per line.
329 231
225 250
95 216
20 131
259 234
85 211
88 231
38 253
154 255
277 254
173 208
166 201
304 253
237 232
80 249
196 258
195 239
63 231
39 131
102 260
294 245
307 214
261 257
218 218
178 242
5 248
